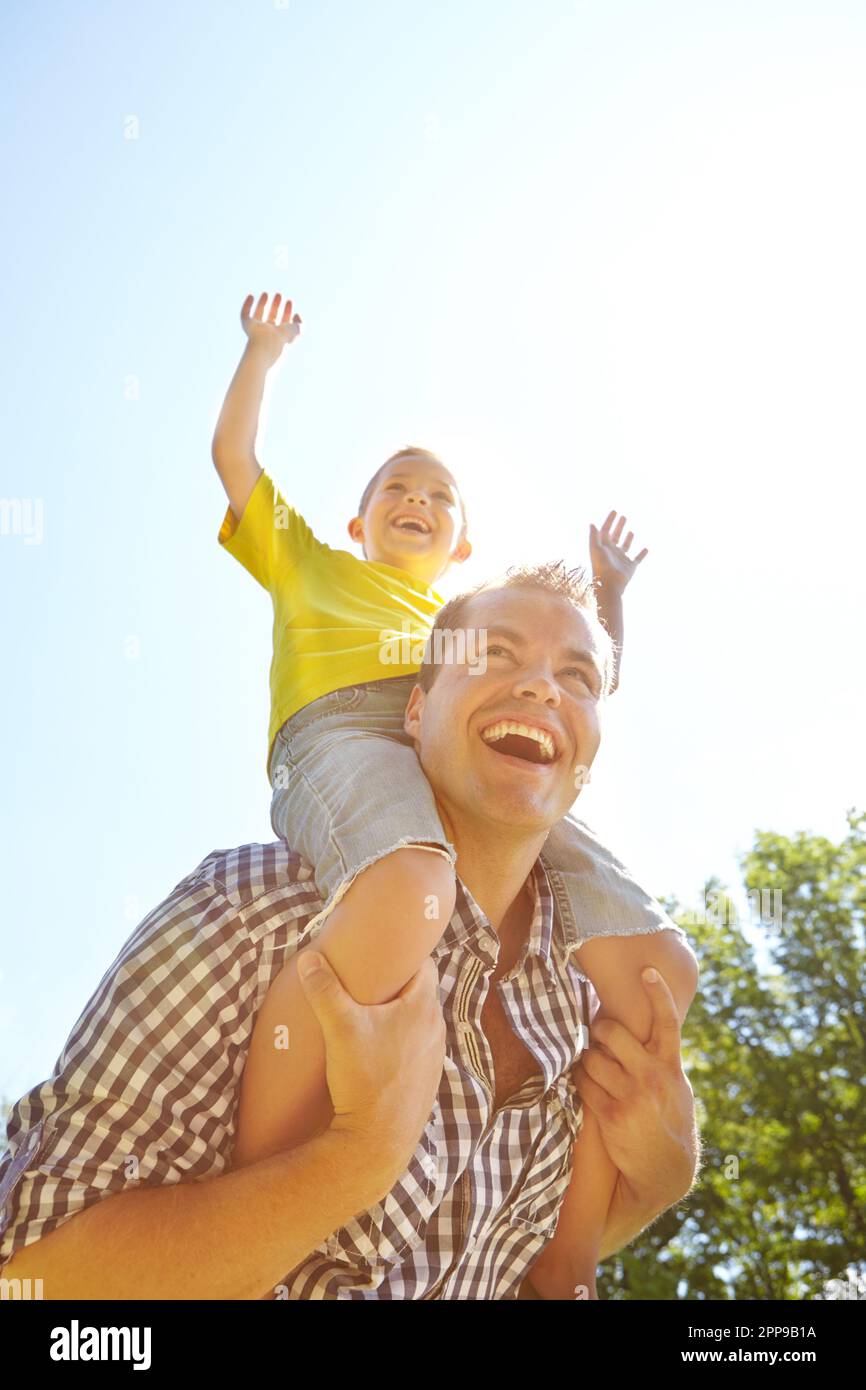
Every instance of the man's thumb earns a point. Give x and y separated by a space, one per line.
318 980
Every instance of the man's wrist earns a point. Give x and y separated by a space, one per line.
629 1214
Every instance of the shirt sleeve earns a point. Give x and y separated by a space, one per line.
271 538
144 1092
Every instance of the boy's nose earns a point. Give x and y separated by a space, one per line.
418 497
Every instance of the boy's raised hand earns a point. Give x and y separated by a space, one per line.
611 562
270 333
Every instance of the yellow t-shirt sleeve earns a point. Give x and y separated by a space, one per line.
271 538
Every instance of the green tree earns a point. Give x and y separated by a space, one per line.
777 1061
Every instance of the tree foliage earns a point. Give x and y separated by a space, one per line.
776 1058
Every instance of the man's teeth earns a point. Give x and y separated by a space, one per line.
509 726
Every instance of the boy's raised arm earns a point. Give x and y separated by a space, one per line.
612 568
233 448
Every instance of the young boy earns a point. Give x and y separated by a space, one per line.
349 794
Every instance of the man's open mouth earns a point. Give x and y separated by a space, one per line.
518 740
408 521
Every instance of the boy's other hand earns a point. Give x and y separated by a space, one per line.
611 563
270 334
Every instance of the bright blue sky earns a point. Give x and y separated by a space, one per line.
597 254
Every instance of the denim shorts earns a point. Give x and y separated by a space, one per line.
348 789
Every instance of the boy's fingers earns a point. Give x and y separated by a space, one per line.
257 313
628 540
287 312
618 532
605 530
245 307
275 307
642 556
665 1036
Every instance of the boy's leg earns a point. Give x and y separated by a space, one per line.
378 930
595 893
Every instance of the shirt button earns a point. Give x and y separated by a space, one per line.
486 941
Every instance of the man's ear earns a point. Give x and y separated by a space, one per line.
414 710
356 530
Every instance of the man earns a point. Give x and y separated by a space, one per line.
117 1182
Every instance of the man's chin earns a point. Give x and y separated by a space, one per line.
518 808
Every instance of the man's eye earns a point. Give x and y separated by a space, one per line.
576 671
494 647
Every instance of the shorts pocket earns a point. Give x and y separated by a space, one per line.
398 1224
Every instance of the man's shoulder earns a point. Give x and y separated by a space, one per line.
246 873
234 896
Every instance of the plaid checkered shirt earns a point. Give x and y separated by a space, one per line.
145 1089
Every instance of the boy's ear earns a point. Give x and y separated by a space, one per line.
462 551
414 709
356 530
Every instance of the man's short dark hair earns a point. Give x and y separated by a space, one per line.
576 585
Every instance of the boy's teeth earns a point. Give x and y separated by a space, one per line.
510 726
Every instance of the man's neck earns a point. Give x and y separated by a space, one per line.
494 866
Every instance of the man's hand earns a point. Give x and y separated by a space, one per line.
645 1109
269 335
383 1062
611 563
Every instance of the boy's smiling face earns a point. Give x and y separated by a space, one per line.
413 519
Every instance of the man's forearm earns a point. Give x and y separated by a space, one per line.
231 1237
627 1216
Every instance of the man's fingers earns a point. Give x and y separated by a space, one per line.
322 988
424 981
665 1036
591 1094
623 1046
606 1073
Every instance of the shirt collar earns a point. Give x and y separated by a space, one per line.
471 927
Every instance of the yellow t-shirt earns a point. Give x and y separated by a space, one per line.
338 620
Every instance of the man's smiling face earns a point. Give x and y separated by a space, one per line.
504 743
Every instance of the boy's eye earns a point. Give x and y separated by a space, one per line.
444 495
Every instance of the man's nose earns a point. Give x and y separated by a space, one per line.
537 685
